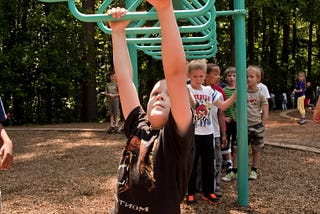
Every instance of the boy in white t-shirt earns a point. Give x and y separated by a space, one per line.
205 97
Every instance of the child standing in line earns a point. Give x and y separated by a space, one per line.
157 159
205 97
300 96
257 103
230 117
220 140
112 94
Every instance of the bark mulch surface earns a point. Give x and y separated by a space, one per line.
68 171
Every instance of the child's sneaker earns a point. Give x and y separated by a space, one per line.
253 175
228 166
211 198
110 129
218 193
302 121
190 200
115 129
230 176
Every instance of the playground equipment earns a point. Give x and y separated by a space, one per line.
197 25
198 31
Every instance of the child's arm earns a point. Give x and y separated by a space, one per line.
122 64
227 103
174 65
222 125
6 157
265 114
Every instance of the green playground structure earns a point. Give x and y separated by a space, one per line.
197 25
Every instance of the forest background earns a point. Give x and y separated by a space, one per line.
54 67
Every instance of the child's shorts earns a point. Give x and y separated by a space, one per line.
225 150
256 137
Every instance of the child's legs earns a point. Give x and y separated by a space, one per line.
207 164
193 177
112 119
235 155
117 111
234 146
256 139
116 120
114 111
218 165
233 141
256 155
300 106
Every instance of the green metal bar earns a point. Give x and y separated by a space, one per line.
201 56
203 46
203 52
133 54
184 39
102 18
135 15
242 114
232 12
148 30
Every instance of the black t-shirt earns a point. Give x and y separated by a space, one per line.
308 92
155 167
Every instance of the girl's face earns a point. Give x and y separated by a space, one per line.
197 78
158 107
301 77
252 79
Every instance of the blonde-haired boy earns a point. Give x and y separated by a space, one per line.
257 103
205 97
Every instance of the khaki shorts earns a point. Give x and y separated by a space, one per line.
256 137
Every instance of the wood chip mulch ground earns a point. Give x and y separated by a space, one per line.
74 172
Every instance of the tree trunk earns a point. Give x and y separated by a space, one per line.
309 74
318 41
89 101
285 43
285 52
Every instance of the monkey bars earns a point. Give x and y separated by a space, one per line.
196 20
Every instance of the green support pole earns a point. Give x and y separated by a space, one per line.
242 114
133 54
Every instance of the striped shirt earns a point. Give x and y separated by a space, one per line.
231 111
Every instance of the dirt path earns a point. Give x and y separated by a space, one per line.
68 171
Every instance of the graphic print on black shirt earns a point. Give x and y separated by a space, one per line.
139 156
